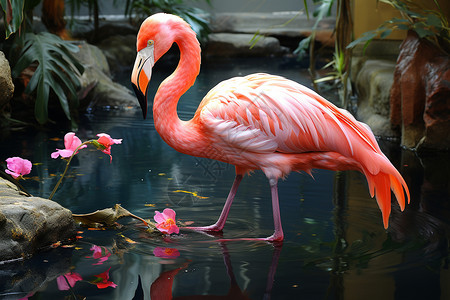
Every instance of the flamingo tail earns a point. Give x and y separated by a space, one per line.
380 186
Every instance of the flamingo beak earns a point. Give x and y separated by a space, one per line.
140 77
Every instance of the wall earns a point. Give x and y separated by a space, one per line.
369 14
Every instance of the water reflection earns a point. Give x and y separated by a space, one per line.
161 288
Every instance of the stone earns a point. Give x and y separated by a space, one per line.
373 79
6 84
286 23
229 44
98 89
22 278
120 51
289 27
30 224
420 95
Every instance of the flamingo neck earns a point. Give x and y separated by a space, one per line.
181 135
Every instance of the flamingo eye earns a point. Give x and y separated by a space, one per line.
150 42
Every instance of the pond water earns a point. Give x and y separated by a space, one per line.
335 245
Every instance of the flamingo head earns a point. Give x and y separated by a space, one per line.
155 37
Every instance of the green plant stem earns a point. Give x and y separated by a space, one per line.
70 288
67 167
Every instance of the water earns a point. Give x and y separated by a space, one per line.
335 246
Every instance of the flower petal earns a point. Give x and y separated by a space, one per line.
72 278
69 140
18 166
169 213
13 174
159 217
64 153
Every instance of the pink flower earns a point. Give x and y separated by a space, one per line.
99 254
102 281
71 142
106 141
166 252
17 167
72 278
166 221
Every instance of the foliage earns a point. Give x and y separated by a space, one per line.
13 15
430 24
338 66
341 58
323 9
56 70
192 15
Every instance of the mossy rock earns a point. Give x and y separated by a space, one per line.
30 224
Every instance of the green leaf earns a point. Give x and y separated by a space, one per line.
256 37
41 106
385 33
56 70
402 26
305 4
365 38
303 47
13 15
433 20
422 31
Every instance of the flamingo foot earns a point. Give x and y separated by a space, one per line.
275 237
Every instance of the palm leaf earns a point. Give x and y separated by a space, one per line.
57 69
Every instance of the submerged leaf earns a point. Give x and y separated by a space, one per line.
106 217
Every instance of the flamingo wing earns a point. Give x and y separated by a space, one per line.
266 113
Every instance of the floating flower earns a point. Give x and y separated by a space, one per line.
71 142
102 280
106 141
72 278
166 221
17 167
166 252
99 254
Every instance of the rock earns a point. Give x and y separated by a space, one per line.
420 95
120 51
6 84
23 278
373 79
114 25
286 23
98 89
228 44
30 224
289 27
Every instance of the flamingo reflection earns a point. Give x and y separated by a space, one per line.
161 288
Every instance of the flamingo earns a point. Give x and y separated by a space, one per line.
257 122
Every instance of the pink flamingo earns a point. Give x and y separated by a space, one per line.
259 121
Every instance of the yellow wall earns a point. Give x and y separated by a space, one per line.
369 14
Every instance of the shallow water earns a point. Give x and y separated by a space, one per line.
335 245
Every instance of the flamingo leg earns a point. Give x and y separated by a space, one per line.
218 226
278 233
